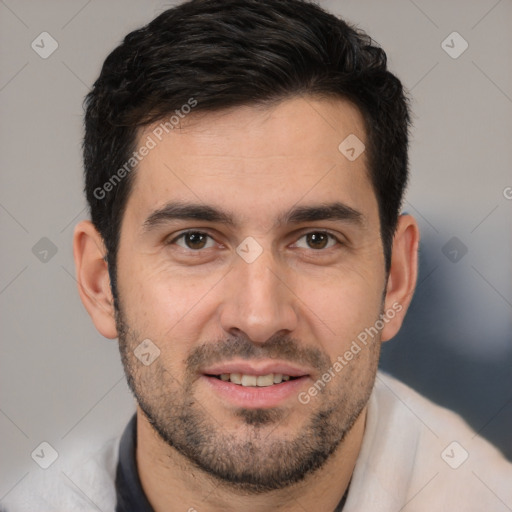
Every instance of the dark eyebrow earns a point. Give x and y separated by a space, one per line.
187 211
332 211
192 211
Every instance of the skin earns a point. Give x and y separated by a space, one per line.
298 302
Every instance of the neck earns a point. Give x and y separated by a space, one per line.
172 483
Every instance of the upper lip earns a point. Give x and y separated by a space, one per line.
255 368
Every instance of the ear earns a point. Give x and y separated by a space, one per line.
93 279
403 273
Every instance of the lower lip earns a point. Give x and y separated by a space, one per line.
254 397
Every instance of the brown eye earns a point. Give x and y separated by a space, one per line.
194 240
318 240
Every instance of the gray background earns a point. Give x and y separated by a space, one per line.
61 382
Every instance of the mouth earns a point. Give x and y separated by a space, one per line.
247 380
255 384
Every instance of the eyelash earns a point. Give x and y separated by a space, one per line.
185 233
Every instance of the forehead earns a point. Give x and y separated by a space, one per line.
256 161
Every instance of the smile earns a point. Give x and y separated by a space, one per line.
247 380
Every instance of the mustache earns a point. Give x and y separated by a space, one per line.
280 346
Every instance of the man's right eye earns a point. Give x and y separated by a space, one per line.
193 240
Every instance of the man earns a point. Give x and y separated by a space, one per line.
245 164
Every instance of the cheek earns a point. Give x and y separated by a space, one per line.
343 307
165 305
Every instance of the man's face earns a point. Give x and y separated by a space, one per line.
269 293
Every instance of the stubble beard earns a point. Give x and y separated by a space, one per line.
252 458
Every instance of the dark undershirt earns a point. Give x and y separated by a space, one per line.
130 496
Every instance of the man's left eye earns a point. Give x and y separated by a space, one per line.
318 240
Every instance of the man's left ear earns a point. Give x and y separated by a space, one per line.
402 277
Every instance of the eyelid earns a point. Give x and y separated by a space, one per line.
173 238
332 236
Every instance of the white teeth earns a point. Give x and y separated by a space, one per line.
265 380
254 380
249 380
236 378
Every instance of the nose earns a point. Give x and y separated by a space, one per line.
258 299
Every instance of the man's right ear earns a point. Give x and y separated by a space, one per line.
93 278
